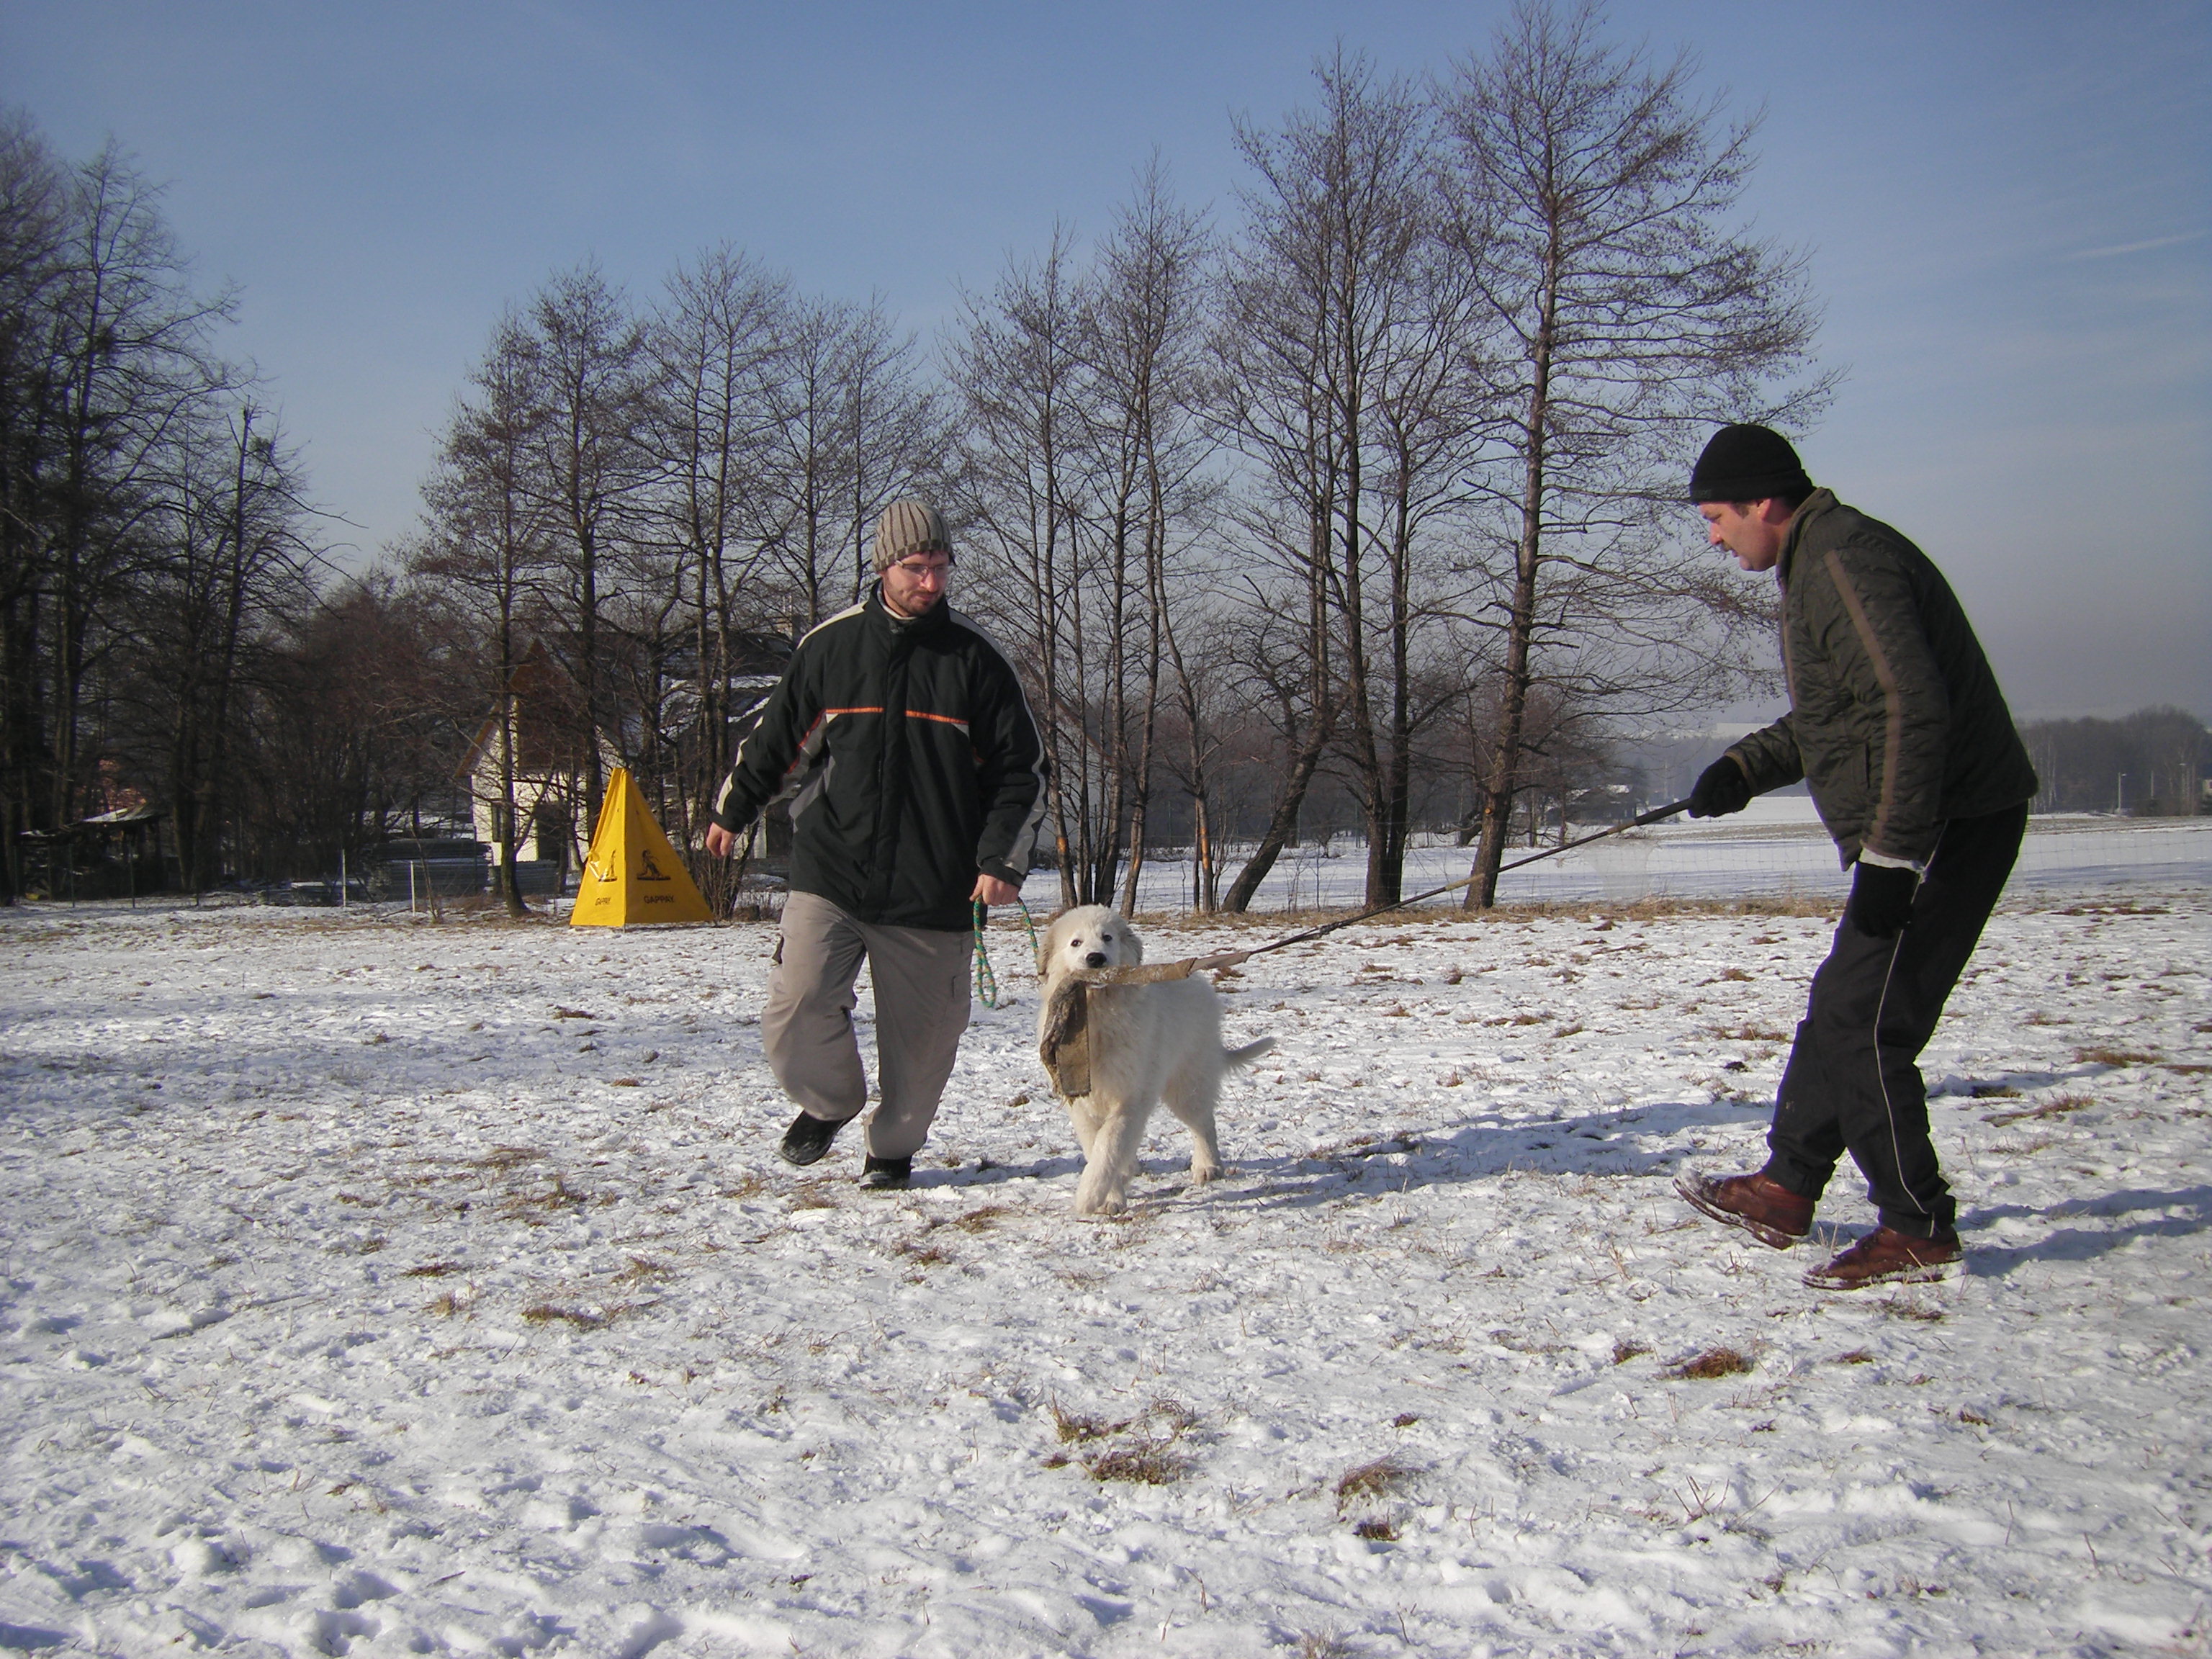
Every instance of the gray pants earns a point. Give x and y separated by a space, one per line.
921 1008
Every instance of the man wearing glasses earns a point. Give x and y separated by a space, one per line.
901 737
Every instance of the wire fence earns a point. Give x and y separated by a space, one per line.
1776 850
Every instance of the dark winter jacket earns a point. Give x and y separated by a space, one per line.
910 760
1895 721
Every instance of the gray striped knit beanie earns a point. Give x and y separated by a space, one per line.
909 527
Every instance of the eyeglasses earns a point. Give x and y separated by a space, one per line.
920 572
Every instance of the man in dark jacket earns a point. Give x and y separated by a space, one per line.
1897 726
900 735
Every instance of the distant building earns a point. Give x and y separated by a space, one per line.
549 735
548 738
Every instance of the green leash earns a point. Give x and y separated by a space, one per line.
987 983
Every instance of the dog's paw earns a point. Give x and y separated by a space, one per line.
1200 1174
1094 1201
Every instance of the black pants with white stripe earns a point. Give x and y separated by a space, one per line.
1853 1083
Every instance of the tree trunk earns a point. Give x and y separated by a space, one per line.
1520 623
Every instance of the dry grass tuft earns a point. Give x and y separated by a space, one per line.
431 1270
506 1158
744 1186
1146 1462
1146 1459
981 1219
1625 1350
1074 1428
1178 1417
1710 1366
815 1195
559 1196
1371 1482
1994 1092
2056 1107
584 1319
1749 1033
1376 1528
641 1270
2101 1056
1856 1356
925 1255
1898 1307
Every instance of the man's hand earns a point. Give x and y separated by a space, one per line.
1721 788
720 842
1882 899
989 890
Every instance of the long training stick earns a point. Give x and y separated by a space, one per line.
1152 973
1065 1044
1652 817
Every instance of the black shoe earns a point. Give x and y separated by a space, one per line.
807 1139
886 1175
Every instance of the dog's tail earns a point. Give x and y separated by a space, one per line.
1248 1053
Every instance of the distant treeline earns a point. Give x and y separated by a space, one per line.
2152 764
1360 511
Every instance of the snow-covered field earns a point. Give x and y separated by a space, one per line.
377 1286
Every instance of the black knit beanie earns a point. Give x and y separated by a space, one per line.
1748 464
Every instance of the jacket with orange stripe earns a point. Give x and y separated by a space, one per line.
907 753
1895 721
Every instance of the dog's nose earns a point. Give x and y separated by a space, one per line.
1096 959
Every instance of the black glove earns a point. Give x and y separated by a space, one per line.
1721 788
1882 899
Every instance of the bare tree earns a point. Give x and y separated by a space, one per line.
855 427
1018 366
896 427
34 198
104 363
487 544
590 466
231 564
718 341
1144 345
1622 309
1324 283
813 471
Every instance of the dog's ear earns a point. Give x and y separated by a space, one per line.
1133 944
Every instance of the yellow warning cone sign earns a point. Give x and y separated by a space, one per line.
632 874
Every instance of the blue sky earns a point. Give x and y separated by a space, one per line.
2008 210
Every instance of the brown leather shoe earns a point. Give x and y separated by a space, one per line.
1886 1256
1763 1208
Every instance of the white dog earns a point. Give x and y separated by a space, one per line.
1148 1043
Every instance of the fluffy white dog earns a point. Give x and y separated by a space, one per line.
1147 1043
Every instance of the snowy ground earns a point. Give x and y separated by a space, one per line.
378 1286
